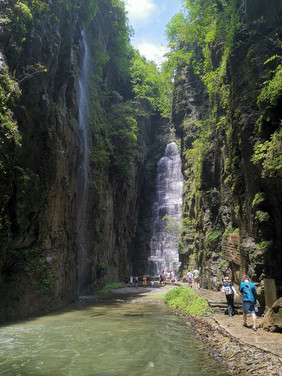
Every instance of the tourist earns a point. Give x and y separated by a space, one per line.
196 275
229 292
249 295
190 278
131 281
144 281
126 279
136 281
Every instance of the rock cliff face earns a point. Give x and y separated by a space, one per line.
232 194
41 156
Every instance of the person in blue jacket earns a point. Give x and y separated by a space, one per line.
249 292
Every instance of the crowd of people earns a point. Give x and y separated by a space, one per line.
165 276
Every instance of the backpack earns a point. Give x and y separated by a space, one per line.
228 290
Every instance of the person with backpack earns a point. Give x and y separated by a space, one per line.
249 296
229 291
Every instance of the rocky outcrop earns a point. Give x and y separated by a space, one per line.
272 320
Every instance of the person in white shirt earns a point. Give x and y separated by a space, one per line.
196 275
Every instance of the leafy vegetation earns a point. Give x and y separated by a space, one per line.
110 286
187 301
36 269
152 86
268 155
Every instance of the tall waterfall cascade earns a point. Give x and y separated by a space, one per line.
166 232
83 268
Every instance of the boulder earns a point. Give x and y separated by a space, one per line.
273 318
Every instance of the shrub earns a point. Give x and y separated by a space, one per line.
187 301
110 286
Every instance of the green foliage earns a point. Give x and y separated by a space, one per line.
271 92
9 93
268 155
224 264
88 10
21 15
196 33
103 265
150 85
110 286
259 198
99 236
214 235
262 216
187 301
270 96
36 269
38 8
120 49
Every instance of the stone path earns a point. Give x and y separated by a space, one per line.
267 341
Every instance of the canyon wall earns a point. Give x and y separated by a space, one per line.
42 148
230 125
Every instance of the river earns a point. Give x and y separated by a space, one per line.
121 339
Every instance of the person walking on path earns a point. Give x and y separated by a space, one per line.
196 275
131 281
249 295
229 291
190 278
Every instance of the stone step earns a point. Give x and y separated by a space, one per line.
222 307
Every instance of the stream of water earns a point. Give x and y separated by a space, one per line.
113 339
82 188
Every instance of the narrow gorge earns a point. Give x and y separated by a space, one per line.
85 119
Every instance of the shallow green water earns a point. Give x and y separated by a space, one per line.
118 339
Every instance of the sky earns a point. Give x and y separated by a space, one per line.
148 18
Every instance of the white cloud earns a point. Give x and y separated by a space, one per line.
152 52
140 10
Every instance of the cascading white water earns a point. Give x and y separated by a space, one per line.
169 187
83 97
83 268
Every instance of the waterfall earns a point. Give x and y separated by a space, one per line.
169 187
83 265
